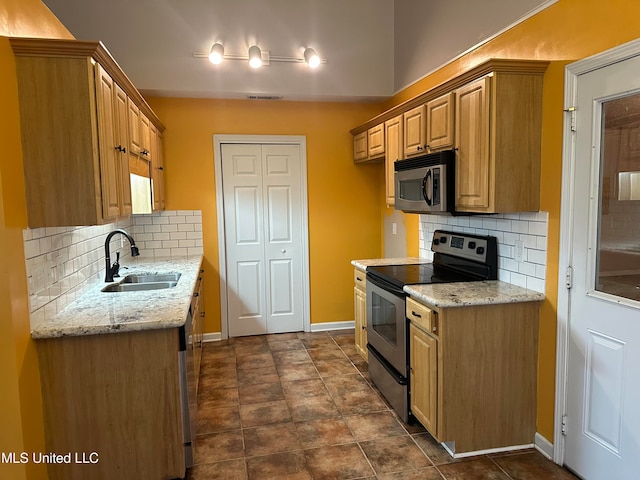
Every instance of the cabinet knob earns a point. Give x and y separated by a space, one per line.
419 148
196 294
434 329
364 327
284 250
160 168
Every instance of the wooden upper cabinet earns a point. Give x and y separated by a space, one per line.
375 142
145 137
157 169
498 127
472 136
121 141
74 139
108 171
360 150
440 113
135 140
492 115
415 131
394 146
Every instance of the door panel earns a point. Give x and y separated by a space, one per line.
603 420
263 225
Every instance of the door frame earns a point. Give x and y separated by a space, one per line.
565 261
299 140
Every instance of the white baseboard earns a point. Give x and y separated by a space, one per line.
323 327
212 337
544 446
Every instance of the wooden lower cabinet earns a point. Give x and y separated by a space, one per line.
360 312
423 377
473 381
116 396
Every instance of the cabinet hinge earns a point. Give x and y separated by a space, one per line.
564 425
572 111
568 279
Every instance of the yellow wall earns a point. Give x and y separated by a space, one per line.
344 199
20 399
567 31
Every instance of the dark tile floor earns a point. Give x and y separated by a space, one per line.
301 406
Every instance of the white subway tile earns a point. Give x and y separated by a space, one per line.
526 268
504 275
153 228
162 236
186 243
519 279
169 228
505 250
31 248
541 243
529 216
536 256
170 244
530 241
158 220
541 271
535 284
178 235
186 227
195 251
508 264
143 220
178 251
177 219
520 226
538 228
489 223
162 252
193 219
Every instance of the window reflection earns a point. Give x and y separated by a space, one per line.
618 265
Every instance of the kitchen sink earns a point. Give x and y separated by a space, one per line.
142 282
152 278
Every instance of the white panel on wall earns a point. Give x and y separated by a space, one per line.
247 216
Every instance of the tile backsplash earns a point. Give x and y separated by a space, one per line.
62 263
530 228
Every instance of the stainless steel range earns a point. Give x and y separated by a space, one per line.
458 257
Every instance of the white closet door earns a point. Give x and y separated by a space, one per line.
263 232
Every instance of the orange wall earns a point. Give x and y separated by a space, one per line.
20 399
567 31
344 199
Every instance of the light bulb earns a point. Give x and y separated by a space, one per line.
216 53
311 57
255 57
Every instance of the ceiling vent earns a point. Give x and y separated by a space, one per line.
264 97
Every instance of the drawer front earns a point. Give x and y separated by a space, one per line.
422 316
360 279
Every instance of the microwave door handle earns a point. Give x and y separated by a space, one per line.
425 181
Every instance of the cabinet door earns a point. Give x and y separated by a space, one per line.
360 313
414 131
157 166
472 141
360 150
121 142
375 140
106 134
145 137
135 141
423 363
440 122
393 133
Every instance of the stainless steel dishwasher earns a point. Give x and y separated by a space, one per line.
188 401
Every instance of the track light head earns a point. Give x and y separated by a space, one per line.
216 53
255 57
311 58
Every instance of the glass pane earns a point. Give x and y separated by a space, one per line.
411 190
618 265
384 318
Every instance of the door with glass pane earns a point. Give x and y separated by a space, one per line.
603 392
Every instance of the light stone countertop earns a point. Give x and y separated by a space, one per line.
98 312
376 262
464 294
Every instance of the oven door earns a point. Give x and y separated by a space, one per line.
386 322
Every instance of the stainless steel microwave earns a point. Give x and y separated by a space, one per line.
426 184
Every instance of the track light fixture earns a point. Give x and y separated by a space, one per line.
311 57
216 53
255 57
258 57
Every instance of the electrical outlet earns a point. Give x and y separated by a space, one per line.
519 251
394 228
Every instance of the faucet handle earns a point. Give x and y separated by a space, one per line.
116 266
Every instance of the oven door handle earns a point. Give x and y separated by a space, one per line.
390 370
389 287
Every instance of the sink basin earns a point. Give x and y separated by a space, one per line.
138 287
152 278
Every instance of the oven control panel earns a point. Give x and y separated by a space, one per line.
464 245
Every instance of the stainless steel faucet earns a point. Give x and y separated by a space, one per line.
112 270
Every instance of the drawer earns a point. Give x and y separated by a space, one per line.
360 279
422 316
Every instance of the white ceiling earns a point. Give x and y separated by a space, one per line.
369 55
